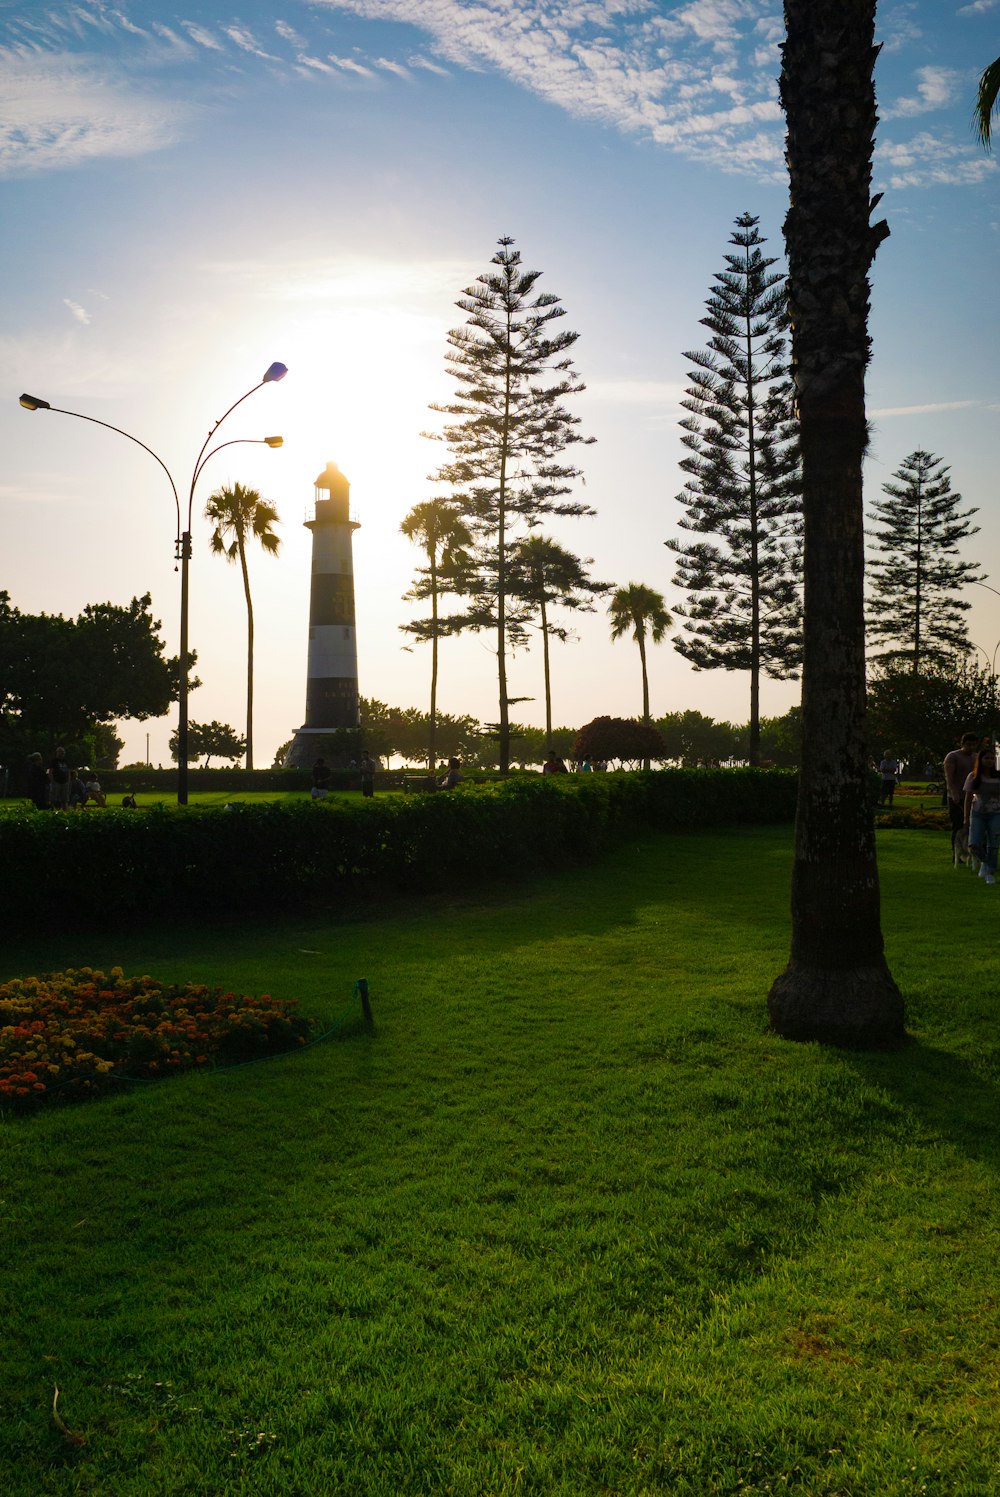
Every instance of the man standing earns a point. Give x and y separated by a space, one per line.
59 779
958 765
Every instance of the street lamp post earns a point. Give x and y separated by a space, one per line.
182 548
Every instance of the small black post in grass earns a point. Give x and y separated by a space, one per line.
361 988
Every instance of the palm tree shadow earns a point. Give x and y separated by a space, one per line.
953 1099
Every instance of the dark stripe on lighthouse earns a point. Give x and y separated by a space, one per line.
331 598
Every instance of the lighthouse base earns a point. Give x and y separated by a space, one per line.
338 746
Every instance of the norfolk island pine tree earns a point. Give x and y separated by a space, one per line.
914 607
743 489
508 429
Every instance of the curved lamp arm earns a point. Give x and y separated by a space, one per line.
33 403
271 376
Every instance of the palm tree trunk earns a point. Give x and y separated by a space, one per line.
246 592
641 641
837 987
432 722
548 679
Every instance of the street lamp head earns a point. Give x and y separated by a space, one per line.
33 403
276 372
274 441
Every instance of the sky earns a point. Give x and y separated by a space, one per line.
191 193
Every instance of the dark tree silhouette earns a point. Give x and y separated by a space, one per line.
914 606
837 986
508 432
742 496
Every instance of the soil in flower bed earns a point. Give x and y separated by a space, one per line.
70 1035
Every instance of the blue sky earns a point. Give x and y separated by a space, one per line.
191 193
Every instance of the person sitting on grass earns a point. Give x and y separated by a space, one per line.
453 775
94 791
77 790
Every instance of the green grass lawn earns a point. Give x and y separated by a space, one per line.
199 798
570 1222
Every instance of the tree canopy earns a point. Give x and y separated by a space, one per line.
507 430
63 679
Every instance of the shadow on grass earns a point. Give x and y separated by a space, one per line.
951 1097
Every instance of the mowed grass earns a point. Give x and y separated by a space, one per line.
569 1222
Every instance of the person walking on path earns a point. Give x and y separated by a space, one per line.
982 812
889 770
958 765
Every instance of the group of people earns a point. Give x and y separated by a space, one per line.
973 791
57 786
365 767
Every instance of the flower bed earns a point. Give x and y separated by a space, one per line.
72 1034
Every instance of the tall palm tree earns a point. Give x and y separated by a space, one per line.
837 987
544 573
436 527
986 103
642 610
240 515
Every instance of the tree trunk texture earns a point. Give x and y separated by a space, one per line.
837 987
246 592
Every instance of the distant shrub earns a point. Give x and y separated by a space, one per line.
260 857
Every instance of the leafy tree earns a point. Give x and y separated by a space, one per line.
642 610
212 740
837 987
781 739
691 739
436 527
546 574
921 714
508 431
61 678
914 605
531 745
743 488
986 103
239 515
621 738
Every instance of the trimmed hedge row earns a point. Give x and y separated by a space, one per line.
254 858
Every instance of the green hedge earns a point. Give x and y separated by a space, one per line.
255 858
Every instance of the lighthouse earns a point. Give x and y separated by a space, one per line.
332 671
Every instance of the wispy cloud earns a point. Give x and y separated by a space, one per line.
60 111
201 37
388 66
349 65
937 87
80 313
924 410
290 35
929 160
978 7
247 42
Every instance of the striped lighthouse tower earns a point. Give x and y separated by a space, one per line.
332 672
